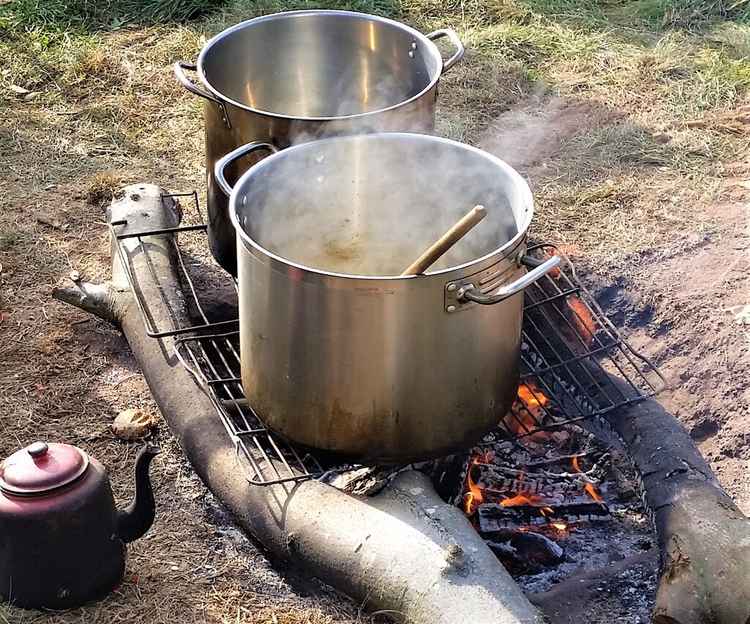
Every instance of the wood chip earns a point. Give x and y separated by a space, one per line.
133 424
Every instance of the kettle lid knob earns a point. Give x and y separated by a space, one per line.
37 449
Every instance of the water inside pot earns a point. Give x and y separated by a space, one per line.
369 205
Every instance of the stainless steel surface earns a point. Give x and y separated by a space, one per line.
292 77
226 161
471 293
180 67
453 38
339 351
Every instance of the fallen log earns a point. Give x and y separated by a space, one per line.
704 538
404 552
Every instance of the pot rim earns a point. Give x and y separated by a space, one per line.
433 50
500 252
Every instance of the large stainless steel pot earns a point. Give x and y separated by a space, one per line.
338 351
291 77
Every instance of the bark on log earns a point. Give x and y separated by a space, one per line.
704 539
403 551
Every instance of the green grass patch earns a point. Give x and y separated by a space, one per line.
536 43
691 14
37 57
92 15
98 15
11 238
585 11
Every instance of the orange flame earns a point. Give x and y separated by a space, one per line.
591 491
474 496
525 417
582 319
522 498
589 488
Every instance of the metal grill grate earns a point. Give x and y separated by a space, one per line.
214 360
568 345
568 348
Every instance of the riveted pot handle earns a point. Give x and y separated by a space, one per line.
180 67
453 38
227 160
470 293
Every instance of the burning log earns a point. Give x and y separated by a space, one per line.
403 551
704 538
492 517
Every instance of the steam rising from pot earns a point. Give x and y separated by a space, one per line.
369 204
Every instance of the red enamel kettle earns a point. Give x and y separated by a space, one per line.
62 541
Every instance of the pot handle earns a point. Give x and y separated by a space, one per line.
180 67
227 160
453 38
469 292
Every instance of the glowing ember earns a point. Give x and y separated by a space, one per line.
582 319
589 488
554 273
528 410
560 526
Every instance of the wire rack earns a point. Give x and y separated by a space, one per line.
574 362
568 348
214 360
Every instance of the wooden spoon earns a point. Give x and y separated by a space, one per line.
446 241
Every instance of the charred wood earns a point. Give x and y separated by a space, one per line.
524 552
493 517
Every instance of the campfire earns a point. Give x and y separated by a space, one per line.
536 496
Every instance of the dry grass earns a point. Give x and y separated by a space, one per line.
634 131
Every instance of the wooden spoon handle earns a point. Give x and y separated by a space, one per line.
446 241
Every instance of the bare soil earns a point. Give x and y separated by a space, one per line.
684 305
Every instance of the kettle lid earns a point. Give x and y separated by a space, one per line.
41 467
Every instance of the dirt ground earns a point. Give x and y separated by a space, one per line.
633 138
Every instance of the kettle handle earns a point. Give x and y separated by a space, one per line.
229 158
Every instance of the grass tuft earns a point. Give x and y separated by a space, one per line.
692 14
10 238
93 15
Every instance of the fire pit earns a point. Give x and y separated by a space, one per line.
558 481
543 492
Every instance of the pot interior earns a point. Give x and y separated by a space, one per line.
370 204
319 64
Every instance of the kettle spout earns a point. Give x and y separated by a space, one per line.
138 516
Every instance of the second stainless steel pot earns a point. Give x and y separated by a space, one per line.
338 351
291 77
